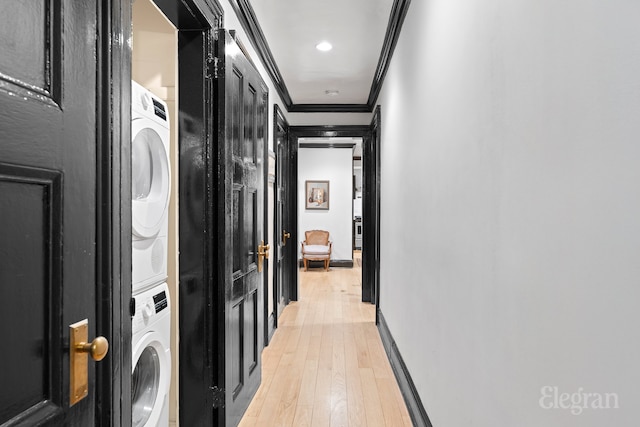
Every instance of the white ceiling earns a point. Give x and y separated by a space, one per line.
355 28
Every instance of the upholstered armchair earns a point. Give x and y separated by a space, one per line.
316 247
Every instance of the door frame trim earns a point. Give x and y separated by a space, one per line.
113 273
296 132
113 245
280 120
371 166
197 19
265 212
271 319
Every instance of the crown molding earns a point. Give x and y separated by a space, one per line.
396 19
327 145
249 22
329 108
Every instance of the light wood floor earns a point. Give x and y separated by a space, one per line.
325 365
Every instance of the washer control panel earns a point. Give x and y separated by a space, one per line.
160 301
145 102
147 308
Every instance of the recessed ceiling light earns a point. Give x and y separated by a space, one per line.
331 92
324 46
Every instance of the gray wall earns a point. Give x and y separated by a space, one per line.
511 209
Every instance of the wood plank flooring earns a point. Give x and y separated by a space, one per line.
325 365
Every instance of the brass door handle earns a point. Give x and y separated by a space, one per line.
97 348
80 348
263 252
285 235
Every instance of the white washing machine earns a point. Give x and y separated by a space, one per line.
150 186
151 375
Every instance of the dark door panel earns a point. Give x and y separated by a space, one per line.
48 206
242 160
30 269
286 246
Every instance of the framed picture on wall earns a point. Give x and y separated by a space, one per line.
317 195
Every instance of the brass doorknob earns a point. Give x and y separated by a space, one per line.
285 235
97 348
263 252
79 348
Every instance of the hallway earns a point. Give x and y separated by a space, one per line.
325 365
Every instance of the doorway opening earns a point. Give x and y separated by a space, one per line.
329 163
154 66
369 196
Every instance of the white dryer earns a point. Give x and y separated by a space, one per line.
151 375
150 186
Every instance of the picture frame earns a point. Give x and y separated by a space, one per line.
317 195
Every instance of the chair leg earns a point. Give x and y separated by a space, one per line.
304 261
326 265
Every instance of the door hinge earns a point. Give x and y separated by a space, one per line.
132 307
212 67
218 398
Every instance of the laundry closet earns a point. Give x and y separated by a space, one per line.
154 68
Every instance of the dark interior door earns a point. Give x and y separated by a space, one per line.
48 193
241 187
285 245
371 212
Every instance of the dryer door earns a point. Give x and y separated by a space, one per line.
149 380
150 181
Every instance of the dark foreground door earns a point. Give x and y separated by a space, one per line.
242 159
47 208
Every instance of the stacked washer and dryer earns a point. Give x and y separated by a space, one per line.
151 321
